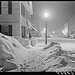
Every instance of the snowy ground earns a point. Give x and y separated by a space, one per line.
53 57
68 46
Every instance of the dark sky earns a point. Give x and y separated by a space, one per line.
59 13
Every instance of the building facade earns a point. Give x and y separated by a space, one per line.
15 18
71 25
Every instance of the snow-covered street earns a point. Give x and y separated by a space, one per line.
65 43
53 57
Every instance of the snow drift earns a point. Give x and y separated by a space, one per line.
16 58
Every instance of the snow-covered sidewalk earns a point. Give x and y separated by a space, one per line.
51 57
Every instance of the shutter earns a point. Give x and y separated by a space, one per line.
10 30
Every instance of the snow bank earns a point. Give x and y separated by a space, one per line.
16 58
24 42
68 46
12 50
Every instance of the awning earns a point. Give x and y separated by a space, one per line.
30 26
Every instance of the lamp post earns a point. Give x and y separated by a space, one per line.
46 15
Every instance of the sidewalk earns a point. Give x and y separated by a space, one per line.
39 46
42 44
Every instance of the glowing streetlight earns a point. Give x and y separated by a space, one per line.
46 15
44 30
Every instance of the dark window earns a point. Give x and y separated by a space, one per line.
22 28
30 34
5 29
0 28
9 7
24 32
28 2
0 7
26 14
10 30
22 10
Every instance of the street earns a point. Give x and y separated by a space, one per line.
57 39
37 36
66 43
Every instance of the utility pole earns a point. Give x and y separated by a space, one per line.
46 33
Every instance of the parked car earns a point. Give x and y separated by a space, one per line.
72 36
51 35
66 36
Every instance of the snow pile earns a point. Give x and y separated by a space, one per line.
58 60
13 56
16 58
68 46
11 50
23 41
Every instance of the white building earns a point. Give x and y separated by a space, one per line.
15 18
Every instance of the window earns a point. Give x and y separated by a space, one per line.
29 17
23 29
5 29
25 36
0 7
4 7
26 14
10 30
0 28
30 34
22 10
9 7
28 2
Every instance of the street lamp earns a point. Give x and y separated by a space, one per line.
44 30
46 15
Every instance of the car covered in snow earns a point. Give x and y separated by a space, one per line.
72 36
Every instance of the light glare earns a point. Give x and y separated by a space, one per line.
46 14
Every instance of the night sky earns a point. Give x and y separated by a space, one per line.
59 13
